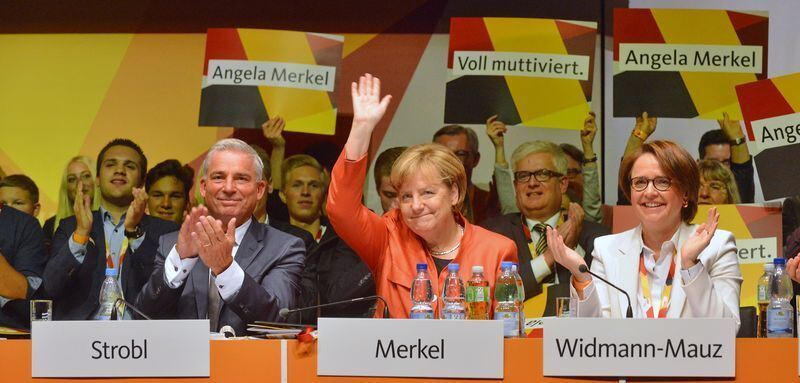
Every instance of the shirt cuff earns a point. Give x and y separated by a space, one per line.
688 275
176 270
78 251
540 269
230 281
3 301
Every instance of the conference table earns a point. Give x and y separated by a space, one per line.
248 360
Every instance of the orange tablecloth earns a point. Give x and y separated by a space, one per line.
757 360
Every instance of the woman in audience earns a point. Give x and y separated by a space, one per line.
78 169
426 228
717 185
661 180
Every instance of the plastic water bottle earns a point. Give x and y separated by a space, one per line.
109 293
454 302
422 294
763 296
478 295
520 298
505 301
780 321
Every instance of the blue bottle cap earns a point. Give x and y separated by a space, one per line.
111 272
779 261
422 266
452 267
505 264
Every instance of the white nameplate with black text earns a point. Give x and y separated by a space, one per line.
410 348
639 347
157 348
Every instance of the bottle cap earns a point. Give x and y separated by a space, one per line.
779 261
111 272
452 267
477 269
505 265
422 266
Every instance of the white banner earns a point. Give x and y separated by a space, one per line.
689 58
775 132
157 348
490 63
270 73
639 347
410 348
757 250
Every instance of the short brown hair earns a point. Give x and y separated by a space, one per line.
23 182
435 157
676 163
385 161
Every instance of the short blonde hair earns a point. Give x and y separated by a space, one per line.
300 160
713 170
436 159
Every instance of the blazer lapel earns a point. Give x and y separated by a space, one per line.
628 271
252 243
199 280
678 298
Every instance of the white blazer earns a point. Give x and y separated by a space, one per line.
714 292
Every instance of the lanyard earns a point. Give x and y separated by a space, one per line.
665 294
109 258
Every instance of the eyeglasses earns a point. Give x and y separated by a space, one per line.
714 185
541 175
573 172
660 183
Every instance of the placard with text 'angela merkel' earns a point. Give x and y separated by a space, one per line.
252 75
686 63
533 72
771 111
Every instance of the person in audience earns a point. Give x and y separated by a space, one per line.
273 132
119 235
167 185
222 264
540 182
670 269
717 185
22 260
333 271
79 168
381 172
478 204
427 228
18 191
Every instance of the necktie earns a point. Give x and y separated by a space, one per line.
541 244
214 304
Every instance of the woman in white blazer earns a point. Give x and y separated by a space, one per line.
669 268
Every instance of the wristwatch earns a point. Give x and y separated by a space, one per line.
135 233
589 160
737 141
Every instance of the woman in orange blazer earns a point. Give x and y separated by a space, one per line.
426 228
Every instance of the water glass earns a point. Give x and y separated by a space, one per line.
566 307
41 309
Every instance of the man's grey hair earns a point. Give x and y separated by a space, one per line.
453 130
234 145
531 147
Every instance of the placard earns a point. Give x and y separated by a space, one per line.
502 65
251 75
771 111
685 63
697 347
410 348
155 348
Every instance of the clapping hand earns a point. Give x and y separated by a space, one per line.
186 246
83 211
215 244
570 230
564 255
136 209
699 240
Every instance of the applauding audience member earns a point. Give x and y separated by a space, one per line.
78 169
717 186
18 191
22 260
167 185
119 235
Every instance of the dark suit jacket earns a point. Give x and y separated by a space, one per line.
22 245
75 287
272 262
510 225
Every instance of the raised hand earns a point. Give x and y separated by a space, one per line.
731 128
570 230
496 129
699 240
83 212
136 209
215 243
368 109
186 246
588 132
564 255
273 131
646 124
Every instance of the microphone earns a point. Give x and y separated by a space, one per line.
285 312
584 269
130 306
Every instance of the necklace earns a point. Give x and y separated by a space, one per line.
454 248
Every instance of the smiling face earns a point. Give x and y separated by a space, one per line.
167 200
230 188
120 172
539 200
713 192
426 203
78 171
657 210
303 194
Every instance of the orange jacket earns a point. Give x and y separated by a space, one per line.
391 250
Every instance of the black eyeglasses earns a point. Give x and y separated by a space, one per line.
541 175
660 183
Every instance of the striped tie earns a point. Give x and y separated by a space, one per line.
541 244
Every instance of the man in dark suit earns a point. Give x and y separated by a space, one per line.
247 271
540 182
118 235
22 260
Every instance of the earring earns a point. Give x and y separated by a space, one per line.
685 203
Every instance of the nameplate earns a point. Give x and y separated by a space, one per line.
157 348
639 347
410 348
